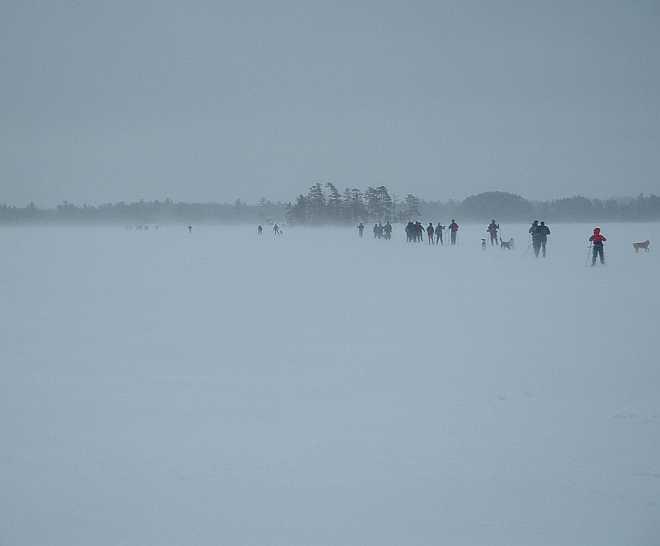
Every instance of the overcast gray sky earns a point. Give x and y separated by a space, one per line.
210 100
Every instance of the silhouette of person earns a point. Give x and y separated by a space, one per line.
543 232
453 228
597 240
430 232
492 230
438 234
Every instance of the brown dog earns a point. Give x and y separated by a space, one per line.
644 245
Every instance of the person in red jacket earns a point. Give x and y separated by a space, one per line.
597 240
453 228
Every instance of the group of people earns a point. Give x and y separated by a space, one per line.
415 232
380 231
276 230
539 233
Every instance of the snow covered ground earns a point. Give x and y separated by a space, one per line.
206 388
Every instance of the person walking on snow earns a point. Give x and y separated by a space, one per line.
260 230
430 231
387 230
534 232
419 232
361 229
453 228
543 232
492 230
597 240
438 234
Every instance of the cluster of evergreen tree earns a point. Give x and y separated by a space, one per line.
324 204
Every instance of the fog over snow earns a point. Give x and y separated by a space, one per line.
170 388
213 100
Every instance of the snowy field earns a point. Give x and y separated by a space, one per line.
214 388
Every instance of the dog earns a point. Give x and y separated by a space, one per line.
506 245
644 245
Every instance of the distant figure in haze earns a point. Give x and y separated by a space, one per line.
492 230
387 229
410 229
453 228
438 234
189 229
483 244
543 232
276 229
597 240
419 231
361 229
260 230
430 232
536 242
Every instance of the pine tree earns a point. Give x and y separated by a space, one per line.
411 208
316 204
347 207
299 212
374 205
358 208
333 206
385 204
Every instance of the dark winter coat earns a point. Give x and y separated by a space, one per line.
543 232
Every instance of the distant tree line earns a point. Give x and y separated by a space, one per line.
147 212
325 204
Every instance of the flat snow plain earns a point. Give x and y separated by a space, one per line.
204 388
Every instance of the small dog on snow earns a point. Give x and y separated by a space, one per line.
508 245
644 245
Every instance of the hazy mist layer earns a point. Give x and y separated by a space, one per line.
210 101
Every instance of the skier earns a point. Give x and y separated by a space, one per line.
543 231
276 229
536 242
453 228
438 234
361 229
419 232
430 231
260 230
189 229
388 230
410 228
492 230
597 240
